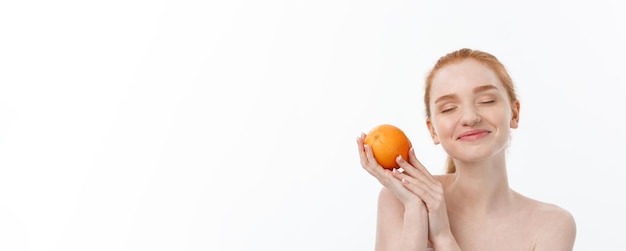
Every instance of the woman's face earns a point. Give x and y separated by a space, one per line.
471 114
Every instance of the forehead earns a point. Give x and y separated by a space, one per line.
463 76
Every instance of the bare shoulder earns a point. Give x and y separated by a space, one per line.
547 212
388 202
551 211
555 227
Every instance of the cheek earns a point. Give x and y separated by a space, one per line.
507 115
443 127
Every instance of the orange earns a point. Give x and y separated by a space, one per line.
387 142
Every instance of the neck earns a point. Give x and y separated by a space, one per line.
480 187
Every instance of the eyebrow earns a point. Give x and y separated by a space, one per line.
478 89
484 88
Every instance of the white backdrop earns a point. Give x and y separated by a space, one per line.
231 125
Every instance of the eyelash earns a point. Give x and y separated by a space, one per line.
447 109
491 101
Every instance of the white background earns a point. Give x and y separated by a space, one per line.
231 125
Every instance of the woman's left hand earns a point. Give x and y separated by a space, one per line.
418 180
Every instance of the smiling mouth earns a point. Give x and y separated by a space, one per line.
473 135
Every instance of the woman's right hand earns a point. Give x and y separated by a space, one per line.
386 177
402 221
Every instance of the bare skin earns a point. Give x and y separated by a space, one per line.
473 208
520 223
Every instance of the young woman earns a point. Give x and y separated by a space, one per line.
471 106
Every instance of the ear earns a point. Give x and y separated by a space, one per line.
433 133
515 114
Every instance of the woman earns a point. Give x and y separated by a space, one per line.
471 106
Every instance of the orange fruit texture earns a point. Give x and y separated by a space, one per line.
387 142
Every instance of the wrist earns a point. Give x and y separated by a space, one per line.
445 241
416 214
415 209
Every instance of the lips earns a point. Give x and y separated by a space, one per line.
473 134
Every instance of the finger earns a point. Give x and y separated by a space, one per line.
418 188
410 170
369 153
432 201
418 165
429 192
415 169
373 167
423 178
361 147
368 161
400 190
413 158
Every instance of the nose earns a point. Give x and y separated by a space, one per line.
470 117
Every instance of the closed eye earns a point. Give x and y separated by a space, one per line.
488 101
447 109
